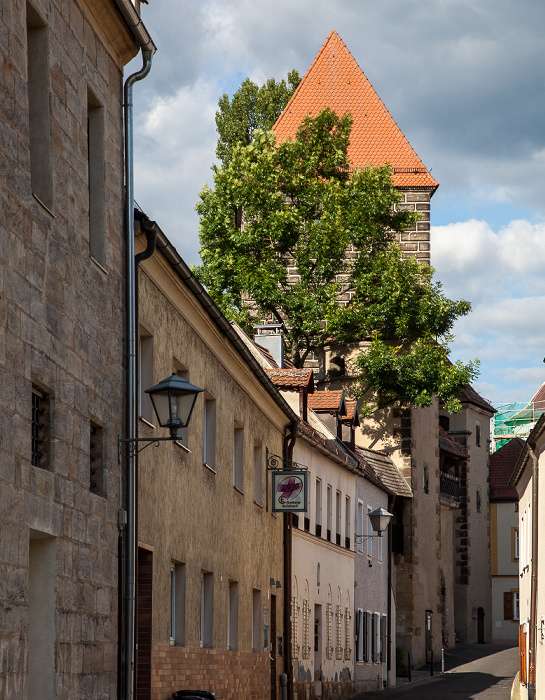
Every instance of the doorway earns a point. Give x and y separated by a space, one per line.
480 625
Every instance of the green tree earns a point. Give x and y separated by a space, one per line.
309 241
251 108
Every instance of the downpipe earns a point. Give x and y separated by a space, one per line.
131 429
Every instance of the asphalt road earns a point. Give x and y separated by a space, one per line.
477 672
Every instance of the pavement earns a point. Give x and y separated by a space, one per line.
483 671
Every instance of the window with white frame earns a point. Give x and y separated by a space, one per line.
347 525
369 533
318 509
177 603
329 507
338 516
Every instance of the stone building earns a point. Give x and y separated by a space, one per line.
61 342
210 581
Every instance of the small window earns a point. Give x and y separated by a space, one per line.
209 437
369 533
238 457
258 474
359 531
40 429
479 500
426 478
41 158
232 616
256 620
145 375
207 610
514 543
338 516
177 603
318 501
96 179
477 433
329 506
347 540
96 459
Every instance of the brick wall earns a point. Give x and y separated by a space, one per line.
231 675
416 241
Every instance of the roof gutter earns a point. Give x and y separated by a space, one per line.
135 25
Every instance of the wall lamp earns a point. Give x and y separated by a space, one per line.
380 519
173 401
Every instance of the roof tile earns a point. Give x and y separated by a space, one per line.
336 81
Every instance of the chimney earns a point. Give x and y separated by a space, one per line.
271 337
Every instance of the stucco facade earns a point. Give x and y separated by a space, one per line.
211 548
61 345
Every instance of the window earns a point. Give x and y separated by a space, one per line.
379 544
338 517
145 374
306 522
232 616
477 433
238 457
369 534
41 160
40 429
347 523
258 474
207 610
177 603
359 531
42 629
479 500
361 621
256 620
511 605
183 372
329 506
96 179
209 436
514 543
426 478
96 459
318 501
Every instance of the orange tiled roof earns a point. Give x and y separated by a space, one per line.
292 378
327 401
336 81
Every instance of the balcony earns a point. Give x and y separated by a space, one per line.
450 489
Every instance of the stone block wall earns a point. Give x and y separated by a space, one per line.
61 334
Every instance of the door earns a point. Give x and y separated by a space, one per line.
480 625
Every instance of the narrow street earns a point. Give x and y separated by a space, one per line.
474 672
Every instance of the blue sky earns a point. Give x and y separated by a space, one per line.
463 79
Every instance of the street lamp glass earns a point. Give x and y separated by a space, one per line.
173 400
380 519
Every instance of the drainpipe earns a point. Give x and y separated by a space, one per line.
289 442
131 428
533 581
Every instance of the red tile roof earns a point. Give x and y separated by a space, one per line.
469 395
270 359
502 466
292 378
447 444
336 81
327 401
382 467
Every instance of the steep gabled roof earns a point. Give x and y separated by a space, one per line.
328 402
383 468
502 466
447 444
292 378
336 81
469 395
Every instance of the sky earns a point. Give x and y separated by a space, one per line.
465 82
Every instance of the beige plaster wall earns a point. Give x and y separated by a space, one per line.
188 512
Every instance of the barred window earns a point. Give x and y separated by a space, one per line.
40 429
338 645
329 631
305 651
347 645
294 611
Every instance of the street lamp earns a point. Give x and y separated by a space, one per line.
380 519
173 401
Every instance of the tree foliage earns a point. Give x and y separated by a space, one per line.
251 108
310 241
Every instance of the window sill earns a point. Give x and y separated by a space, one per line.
239 490
211 469
258 504
48 210
146 421
99 265
182 446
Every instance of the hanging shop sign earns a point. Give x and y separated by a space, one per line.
289 491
